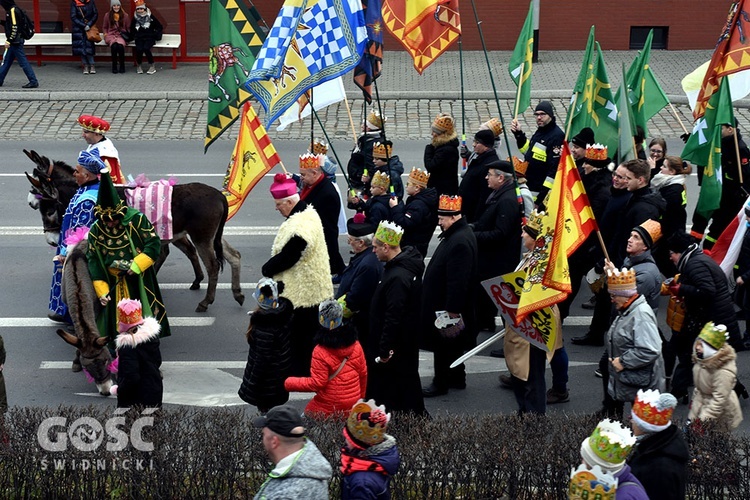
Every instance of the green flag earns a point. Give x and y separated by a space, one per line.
703 147
235 39
576 104
645 95
626 148
520 63
595 106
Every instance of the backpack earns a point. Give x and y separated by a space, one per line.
25 25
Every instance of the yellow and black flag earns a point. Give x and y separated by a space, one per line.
235 39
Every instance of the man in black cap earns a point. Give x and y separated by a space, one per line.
542 151
300 470
578 145
473 188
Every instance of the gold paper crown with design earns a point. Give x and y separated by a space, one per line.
382 151
367 422
619 280
653 409
319 147
494 125
611 442
309 160
714 335
375 120
419 177
535 222
381 179
389 233
443 123
449 205
592 484
519 165
596 152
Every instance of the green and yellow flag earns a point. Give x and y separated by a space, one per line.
626 150
520 63
576 103
235 39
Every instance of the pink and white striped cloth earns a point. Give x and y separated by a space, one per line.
154 200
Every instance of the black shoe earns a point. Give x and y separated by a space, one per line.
432 391
457 384
497 353
598 373
588 339
554 396
590 304
30 86
56 317
114 70
122 69
506 382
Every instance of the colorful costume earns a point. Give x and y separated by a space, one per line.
107 150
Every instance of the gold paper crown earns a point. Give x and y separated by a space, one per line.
621 279
443 122
611 442
596 152
419 177
381 179
131 314
374 120
319 147
594 484
714 335
309 160
367 422
389 233
519 165
650 409
535 221
449 204
494 125
382 151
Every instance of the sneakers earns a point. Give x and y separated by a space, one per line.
92 70
590 304
85 70
139 70
555 396
151 70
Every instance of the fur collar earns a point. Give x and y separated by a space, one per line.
443 139
343 336
374 450
719 360
148 331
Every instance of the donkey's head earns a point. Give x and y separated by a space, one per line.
94 358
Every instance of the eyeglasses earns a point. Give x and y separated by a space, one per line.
618 176
540 113
659 151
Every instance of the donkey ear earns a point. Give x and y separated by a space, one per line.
34 181
70 339
101 341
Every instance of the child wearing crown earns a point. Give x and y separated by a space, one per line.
376 207
369 457
139 358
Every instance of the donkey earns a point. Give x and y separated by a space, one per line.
92 355
198 216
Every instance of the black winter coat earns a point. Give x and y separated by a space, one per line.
451 278
474 189
675 214
498 234
659 461
542 152
375 209
394 169
441 162
598 185
80 44
395 325
327 202
145 38
418 217
138 376
644 204
269 358
358 282
361 158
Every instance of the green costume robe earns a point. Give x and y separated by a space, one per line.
135 243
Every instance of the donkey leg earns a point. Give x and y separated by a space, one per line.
208 256
234 259
163 254
185 246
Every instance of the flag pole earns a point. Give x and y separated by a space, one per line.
463 107
380 109
737 151
518 91
333 150
679 120
312 122
351 121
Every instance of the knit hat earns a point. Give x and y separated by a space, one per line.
267 293
714 335
375 121
309 160
140 3
534 225
330 314
284 420
449 205
596 156
129 314
389 233
494 125
109 207
591 484
485 138
283 186
443 124
583 138
621 282
112 3
367 423
679 242
652 410
501 165
381 179
358 226
608 446
93 124
546 107
419 177
649 231
91 161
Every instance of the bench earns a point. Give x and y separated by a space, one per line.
40 40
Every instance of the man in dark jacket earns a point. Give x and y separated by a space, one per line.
441 156
13 23
660 456
392 349
448 298
320 193
542 151
474 189
361 159
418 216
498 235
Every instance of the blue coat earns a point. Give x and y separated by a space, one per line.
81 45
358 282
371 485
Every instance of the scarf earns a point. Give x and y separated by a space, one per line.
143 21
689 251
351 464
661 180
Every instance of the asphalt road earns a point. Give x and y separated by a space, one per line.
205 356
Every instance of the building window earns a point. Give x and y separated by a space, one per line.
638 36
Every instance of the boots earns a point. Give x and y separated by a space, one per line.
151 69
114 66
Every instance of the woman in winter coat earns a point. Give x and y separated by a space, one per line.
441 156
145 30
338 372
83 15
715 375
116 21
269 357
670 182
